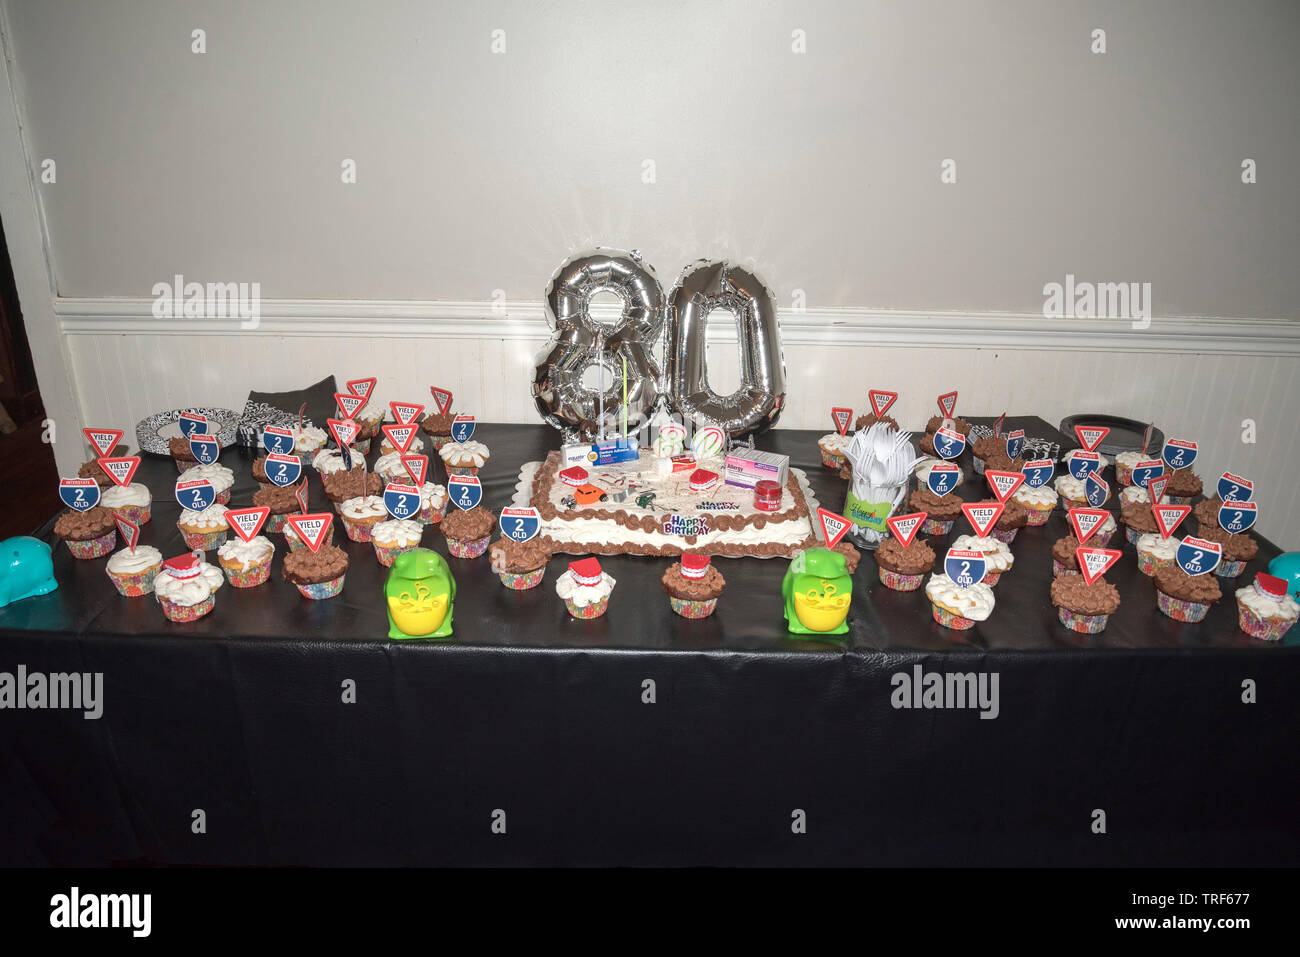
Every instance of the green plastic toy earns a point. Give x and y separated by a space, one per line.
817 590
420 591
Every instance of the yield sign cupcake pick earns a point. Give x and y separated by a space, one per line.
312 528
417 466
247 522
833 526
982 517
948 404
1156 488
1091 436
1003 484
1169 517
1086 521
348 403
102 440
441 398
129 531
343 430
120 470
404 413
362 387
905 527
881 400
841 417
401 436
1093 562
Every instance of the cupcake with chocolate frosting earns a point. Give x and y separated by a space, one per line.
1014 517
903 567
437 425
317 574
942 510
341 486
870 419
1184 485
179 447
1185 597
693 586
520 565
1083 607
1238 549
281 502
468 531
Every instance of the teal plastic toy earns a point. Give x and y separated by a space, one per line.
26 569
420 591
1287 567
817 590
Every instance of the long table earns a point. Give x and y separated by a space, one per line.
305 737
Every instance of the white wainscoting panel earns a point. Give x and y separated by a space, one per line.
123 372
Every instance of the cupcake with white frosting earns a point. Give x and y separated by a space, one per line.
132 502
833 446
957 607
246 563
997 556
433 503
393 537
330 461
585 588
1038 503
221 478
464 458
1124 463
1134 495
203 530
415 448
307 442
389 466
132 572
1265 610
185 587
1074 491
1156 552
361 514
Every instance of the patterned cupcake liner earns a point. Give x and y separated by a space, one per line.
175 612
204 541
693 609
1226 569
223 497
255 574
183 466
1068 503
325 589
358 531
137 514
1180 610
978 463
93 547
1037 516
296 543
430 515
991 578
467 548
1004 535
439 441
830 459
951 620
276 521
1101 539
1149 564
1266 629
1060 568
135 584
522 581
462 470
587 611
1133 534
1123 474
935 526
361 446
898 581
387 554
1084 624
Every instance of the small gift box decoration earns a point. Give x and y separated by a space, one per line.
184 567
697 566
586 571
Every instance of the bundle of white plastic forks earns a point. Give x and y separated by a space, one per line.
882 460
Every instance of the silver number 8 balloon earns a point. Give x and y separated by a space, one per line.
580 341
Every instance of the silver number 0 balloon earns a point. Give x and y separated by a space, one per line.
581 341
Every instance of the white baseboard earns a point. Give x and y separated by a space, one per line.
374 318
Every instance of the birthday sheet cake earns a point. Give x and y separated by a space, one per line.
645 511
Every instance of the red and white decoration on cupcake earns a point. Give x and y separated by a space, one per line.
184 567
348 403
1156 488
120 470
441 398
312 528
906 527
982 516
1003 484
417 466
102 440
586 571
247 522
841 417
343 430
1270 586
834 527
1086 521
1091 436
881 400
362 387
1094 562
404 413
129 531
948 404
693 565
574 475
400 436
1169 517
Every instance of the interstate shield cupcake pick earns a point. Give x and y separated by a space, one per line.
964 566
465 491
1015 443
1038 472
277 440
1096 489
1236 517
79 494
192 423
1147 471
205 448
942 478
520 524
1179 453
402 501
1235 487
949 443
282 470
1198 556
462 428
195 494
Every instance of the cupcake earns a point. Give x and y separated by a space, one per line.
1124 463
1139 520
1068 457
361 514
281 501
903 567
132 502
925 465
520 565
307 441
294 542
956 607
468 531
1184 486
1238 549
1185 597
941 510
205 530
1082 607
89 534
1104 532
1000 461
246 563
1134 495
1265 610
415 448
1064 559
329 461
317 574
926 445
393 537
833 446
1156 552
222 479
693 586
132 572
1073 491
997 556
1037 502
390 467
870 419
851 555
341 486
464 458
1014 517
989 452
185 588
179 447
437 425
585 588
369 418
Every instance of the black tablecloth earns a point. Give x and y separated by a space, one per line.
548 719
